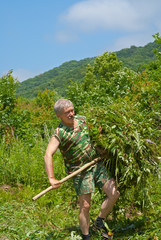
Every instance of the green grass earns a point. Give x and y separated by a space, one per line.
47 218
55 216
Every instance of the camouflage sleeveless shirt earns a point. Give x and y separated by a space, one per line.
75 144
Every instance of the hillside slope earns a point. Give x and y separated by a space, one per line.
59 77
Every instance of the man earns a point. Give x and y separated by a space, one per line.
72 138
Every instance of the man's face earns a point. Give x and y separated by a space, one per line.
67 116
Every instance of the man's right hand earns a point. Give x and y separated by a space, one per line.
54 183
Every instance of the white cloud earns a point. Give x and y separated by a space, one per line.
122 15
92 15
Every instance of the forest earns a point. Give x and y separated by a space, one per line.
122 105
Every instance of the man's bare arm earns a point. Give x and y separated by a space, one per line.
48 158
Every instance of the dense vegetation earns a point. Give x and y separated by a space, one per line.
122 110
136 58
122 107
58 78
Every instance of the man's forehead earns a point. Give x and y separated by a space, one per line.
68 109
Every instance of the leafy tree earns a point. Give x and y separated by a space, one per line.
102 81
104 69
45 98
154 68
8 86
21 118
35 117
158 40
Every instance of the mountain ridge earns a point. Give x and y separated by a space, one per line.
59 77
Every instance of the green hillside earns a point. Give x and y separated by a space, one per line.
137 57
59 77
56 79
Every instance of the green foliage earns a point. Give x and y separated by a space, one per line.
22 163
106 65
102 84
158 41
8 87
57 78
60 77
137 58
104 69
27 119
121 107
123 114
45 98
55 216
131 157
22 176
23 219
154 68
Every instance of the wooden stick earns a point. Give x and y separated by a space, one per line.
67 177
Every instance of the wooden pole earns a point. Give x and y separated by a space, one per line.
67 177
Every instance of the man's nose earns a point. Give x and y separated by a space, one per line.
71 113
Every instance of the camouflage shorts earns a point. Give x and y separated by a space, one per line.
86 181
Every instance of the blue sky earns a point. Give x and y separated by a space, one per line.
38 35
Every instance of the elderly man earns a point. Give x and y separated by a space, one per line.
72 138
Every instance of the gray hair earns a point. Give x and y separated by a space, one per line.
61 104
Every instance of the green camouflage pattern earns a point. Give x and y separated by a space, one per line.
75 144
95 176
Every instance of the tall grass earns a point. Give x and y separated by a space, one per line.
55 215
21 163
